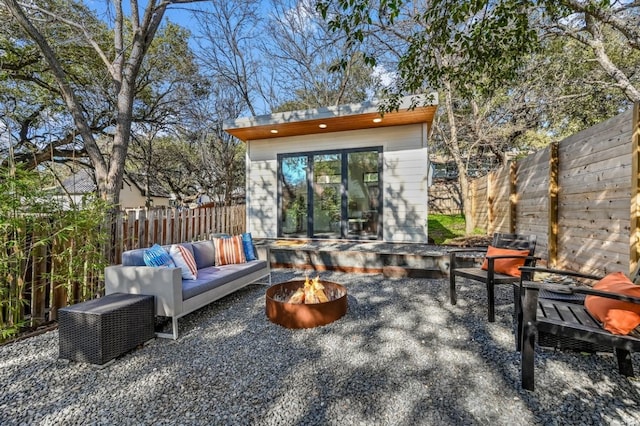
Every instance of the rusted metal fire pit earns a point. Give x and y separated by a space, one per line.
301 315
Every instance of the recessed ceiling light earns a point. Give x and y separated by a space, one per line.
377 120
322 126
274 131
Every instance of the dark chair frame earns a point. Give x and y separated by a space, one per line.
489 277
564 319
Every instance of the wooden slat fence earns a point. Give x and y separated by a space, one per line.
579 196
532 202
143 228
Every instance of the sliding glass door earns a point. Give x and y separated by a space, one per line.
330 194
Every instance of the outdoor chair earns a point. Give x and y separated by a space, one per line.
502 258
557 315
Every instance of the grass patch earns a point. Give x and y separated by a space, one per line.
445 227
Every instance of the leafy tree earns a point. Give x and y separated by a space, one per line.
474 51
217 159
163 160
490 38
37 124
121 63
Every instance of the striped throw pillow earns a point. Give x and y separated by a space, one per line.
229 250
157 256
184 260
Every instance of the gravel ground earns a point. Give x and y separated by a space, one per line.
401 356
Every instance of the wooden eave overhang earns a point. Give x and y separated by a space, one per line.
333 119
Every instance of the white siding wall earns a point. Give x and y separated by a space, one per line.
130 197
405 173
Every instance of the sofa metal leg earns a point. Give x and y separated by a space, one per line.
268 283
174 330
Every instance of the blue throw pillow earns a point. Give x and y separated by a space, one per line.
247 245
157 256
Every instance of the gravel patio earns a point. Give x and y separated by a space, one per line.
401 356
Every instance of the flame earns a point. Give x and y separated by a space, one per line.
312 292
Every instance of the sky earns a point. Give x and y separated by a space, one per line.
177 13
182 14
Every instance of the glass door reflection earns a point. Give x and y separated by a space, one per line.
294 196
363 206
327 195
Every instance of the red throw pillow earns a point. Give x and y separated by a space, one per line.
617 316
505 266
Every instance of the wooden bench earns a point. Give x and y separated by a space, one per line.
489 277
569 320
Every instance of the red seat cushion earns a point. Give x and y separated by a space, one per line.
617 316
505 266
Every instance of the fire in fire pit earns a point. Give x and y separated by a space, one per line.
305 304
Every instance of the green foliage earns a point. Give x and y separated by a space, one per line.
35 229
475 45
78 240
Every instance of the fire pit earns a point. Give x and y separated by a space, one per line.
305 304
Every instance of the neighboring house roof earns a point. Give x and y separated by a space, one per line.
334 119
84 182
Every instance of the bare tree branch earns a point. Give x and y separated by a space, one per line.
629 28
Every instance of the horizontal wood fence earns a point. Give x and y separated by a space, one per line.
580 197
445 197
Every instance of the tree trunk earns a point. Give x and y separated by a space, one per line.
454 149
597 44
123 71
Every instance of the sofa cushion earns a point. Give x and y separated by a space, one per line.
505 266
157 256
183 258
213 277
204 253
133 257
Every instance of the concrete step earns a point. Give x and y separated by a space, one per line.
392 259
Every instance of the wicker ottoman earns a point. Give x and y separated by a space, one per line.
100 330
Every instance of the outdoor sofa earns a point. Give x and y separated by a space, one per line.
176 296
